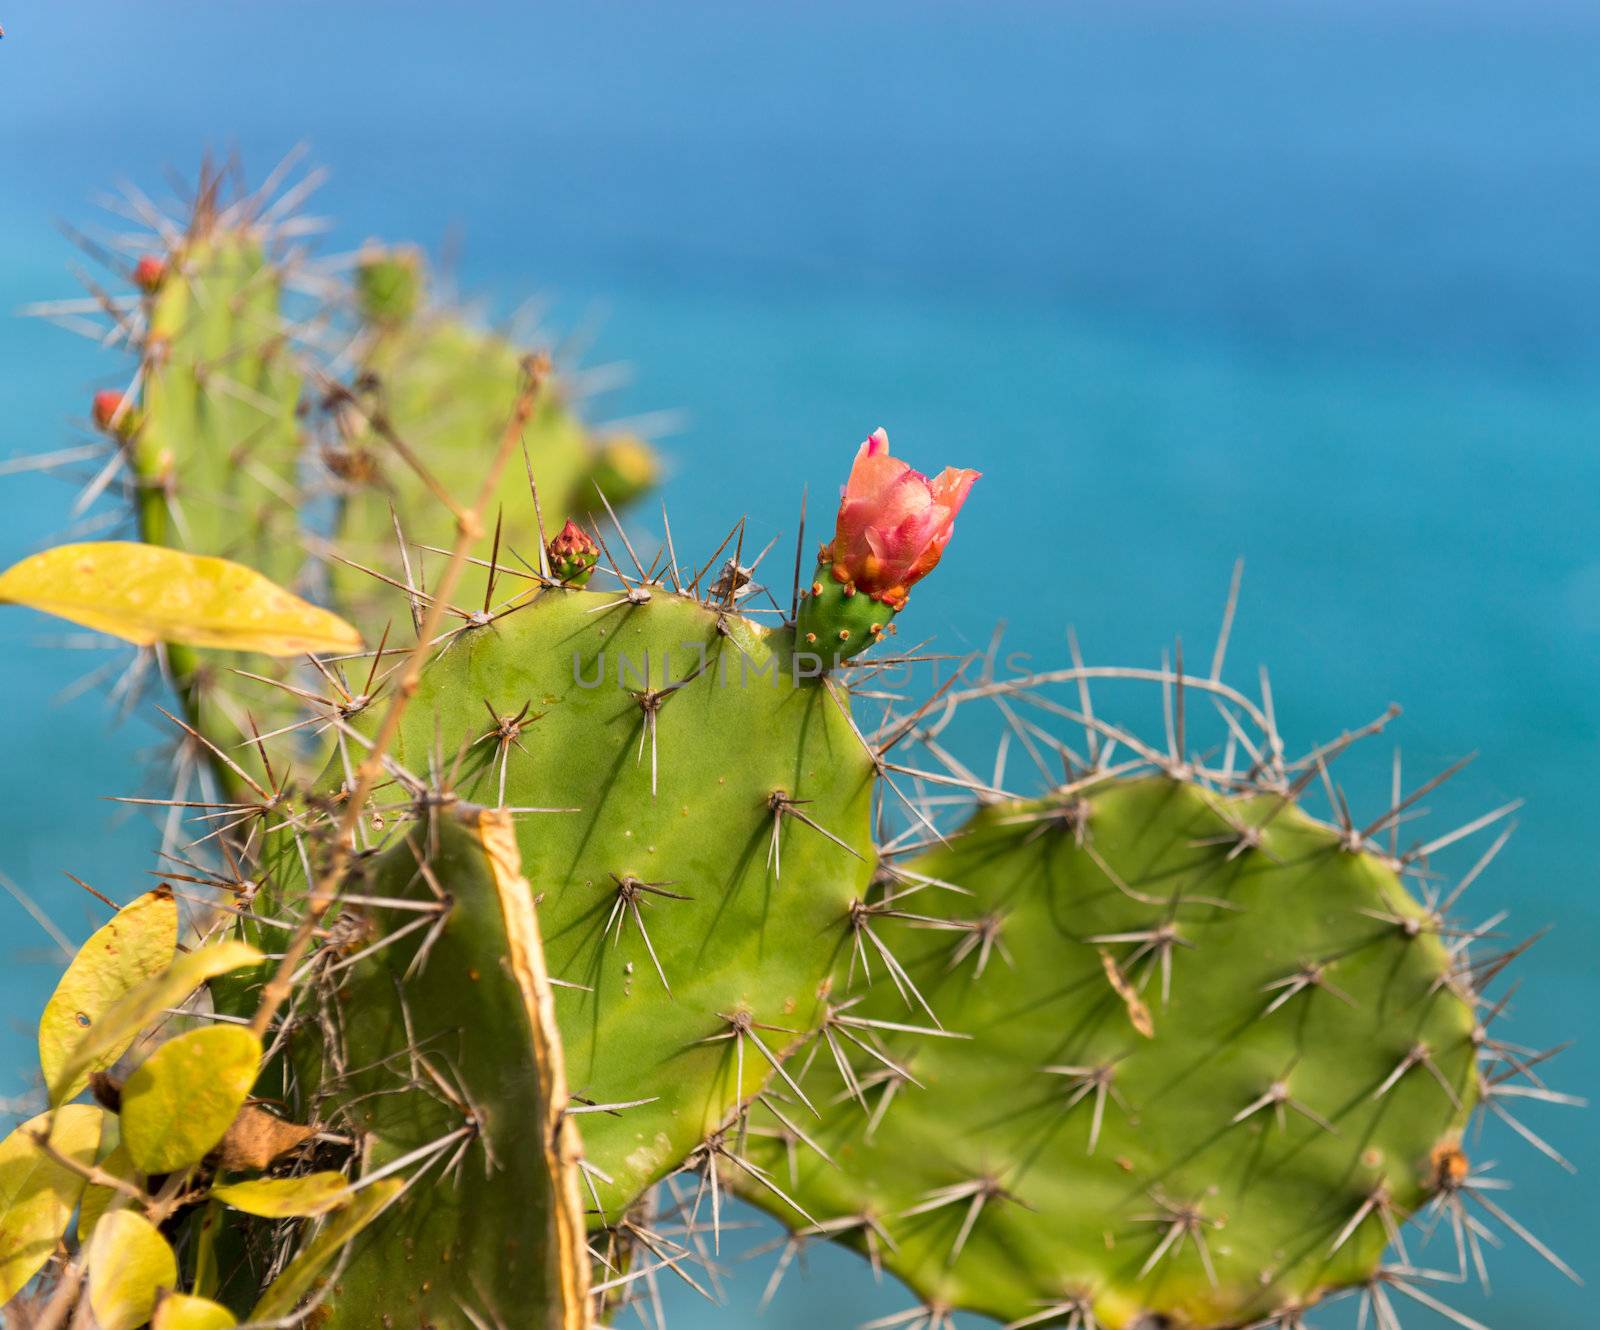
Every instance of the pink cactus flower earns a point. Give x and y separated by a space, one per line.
893 522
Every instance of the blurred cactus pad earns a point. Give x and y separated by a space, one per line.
533 886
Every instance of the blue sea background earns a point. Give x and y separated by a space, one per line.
1313 284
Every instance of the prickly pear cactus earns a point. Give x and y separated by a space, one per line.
1156 1049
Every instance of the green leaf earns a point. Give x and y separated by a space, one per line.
147 593
130 1264
284 1294
122 1021
37 1195
180 1102
179 1311
134 945
286 1198
97 1199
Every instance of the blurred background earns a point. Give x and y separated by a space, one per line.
1317 285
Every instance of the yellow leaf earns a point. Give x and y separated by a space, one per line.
299 1278
285 1198
136 944
184 1096
130 1264
179 1311
148 593
37 1195
141 1004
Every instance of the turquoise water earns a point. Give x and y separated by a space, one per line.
1314 285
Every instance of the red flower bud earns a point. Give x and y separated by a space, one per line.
108 408
573 555
148 273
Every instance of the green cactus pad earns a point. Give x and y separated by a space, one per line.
448 1043
689 942
1305 1055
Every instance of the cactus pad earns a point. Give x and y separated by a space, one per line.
445 1057
696 894
1213 1057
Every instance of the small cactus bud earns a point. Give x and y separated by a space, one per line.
148 273
113 413
572 555
390 284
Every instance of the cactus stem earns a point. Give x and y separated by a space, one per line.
325 890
